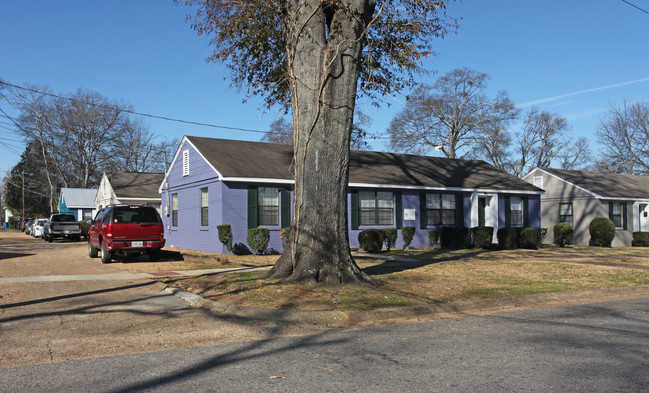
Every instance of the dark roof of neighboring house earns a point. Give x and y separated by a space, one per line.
136 185
258 160
608 185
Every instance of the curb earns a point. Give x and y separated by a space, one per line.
440 310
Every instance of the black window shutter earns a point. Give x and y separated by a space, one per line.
253 208
610 211
423 217
399 209
508 211
624 216
459 203
526 212
354 208
285 200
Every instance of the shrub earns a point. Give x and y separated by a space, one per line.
481 237
507 238
543 232
529 238
453 237
258 239
84 229
390 237
433 237
602 231
371 240
407 233
284 233
225 236
640 239
563 233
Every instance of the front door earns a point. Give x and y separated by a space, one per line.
482 203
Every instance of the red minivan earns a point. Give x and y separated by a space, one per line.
126 229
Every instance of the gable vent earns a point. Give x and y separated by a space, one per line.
538 181
186 163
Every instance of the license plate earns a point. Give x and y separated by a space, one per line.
137 244
66 232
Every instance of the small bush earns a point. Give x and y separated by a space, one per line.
371 240
390 237
225 236
543 232
258 239
640 239
507 238
84 229
563 233
602 231
529 238
433 237
453 237
407 233
284 233
481 237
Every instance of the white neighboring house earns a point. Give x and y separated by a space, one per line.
129 188
7 215
78 201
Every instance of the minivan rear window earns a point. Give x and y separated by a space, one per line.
135 215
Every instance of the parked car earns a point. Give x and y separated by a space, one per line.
28 227
62 226
126 229
39 227
23 223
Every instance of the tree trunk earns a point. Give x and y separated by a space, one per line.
324 70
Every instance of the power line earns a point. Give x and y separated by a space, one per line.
133 112
635 6
371 136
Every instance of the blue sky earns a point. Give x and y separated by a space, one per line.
570 57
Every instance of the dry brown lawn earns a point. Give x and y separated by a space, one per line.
431 276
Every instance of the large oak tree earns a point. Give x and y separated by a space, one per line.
319 55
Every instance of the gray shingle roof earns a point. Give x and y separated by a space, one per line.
607 185
79 197
136 185
258 160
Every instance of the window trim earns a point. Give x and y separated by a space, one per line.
516 214
205 204
620 214
376 209
262 210
174 210
563 217
441 209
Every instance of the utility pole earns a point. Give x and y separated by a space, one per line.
23 177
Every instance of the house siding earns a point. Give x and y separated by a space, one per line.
585 208
189 233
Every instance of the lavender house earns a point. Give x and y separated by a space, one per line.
248 184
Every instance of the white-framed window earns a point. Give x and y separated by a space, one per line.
268 203
204 207
616 214
516 209
565 213
441 209
174 210
376 207
185 162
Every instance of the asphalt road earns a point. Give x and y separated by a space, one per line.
600 347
